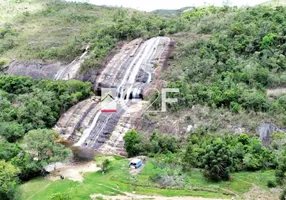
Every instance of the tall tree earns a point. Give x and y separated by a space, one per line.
8 180
217 161
132 143
42 146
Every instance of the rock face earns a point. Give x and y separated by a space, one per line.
133 67
34 69
129 71
115 144
265 130
56 71
71 70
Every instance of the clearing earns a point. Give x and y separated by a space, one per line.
118 183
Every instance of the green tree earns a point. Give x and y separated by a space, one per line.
9 150
133 143
281 169
217 161
283 195
41 145
105 165
188 159
8 180
11 131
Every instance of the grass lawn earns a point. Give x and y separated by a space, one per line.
118 174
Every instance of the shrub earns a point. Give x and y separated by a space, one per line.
61 196
3 62
271 183
217 161
283 195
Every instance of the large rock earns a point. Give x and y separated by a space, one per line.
265 131
34 69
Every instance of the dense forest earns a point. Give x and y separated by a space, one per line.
218 156
28 110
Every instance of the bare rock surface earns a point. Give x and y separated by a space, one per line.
34 69
38 70
265 130
115 144
129 70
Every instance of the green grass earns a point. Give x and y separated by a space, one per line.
96 183
38 27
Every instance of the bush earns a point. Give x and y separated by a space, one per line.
61 196
217 161
283 195
133 143
271 184
3 62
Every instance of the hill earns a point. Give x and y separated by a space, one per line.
171 12
58 31
274 3
224 136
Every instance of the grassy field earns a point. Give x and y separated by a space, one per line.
33 29
118 174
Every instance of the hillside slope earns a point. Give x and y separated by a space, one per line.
55 30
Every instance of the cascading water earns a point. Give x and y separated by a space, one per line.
129 72
70 71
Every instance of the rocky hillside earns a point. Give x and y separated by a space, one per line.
227 62
35 33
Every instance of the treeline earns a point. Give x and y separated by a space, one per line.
244 56
28 108
127 25
120 24
218 156
72 25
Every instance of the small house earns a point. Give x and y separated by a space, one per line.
135 163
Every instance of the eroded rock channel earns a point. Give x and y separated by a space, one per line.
130 72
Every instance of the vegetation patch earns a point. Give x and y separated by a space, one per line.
117 181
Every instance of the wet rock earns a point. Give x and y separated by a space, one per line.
142 76
130 70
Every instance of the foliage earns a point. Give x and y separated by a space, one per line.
8 180
65 28
217 161
118 174
11 131
132 143
32 104
60 196
243 57
8 150
41 146
271 184
3 62
283 195
218 156
105 164
26 106
281 169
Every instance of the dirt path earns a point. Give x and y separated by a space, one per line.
130 196
134 196
74 173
